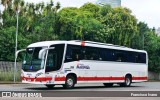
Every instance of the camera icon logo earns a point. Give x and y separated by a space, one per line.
6 94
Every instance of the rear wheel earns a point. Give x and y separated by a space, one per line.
108 84
127 83
50 86
70 82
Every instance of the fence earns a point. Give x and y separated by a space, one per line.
153 76
9 66
7 71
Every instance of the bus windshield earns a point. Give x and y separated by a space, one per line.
31 61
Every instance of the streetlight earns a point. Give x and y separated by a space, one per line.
15 61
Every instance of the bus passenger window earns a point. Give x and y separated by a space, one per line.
119 56
119 59
140 58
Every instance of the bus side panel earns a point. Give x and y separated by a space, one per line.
105 71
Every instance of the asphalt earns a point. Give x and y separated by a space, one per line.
147 87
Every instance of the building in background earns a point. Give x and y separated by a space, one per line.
113 3
158 31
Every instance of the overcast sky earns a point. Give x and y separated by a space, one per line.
145 10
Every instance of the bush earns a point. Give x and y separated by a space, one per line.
9 76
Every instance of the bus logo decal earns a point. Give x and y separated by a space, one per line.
82 66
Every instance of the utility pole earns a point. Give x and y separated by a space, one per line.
143 40
15 63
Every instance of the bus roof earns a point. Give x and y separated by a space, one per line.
85 43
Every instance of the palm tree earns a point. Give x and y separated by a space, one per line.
22 8
16 4
5 3
51 3
9 2
42 6
58 6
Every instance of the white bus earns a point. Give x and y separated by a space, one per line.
71 62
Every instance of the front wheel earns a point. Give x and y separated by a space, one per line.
127 82
69 83
50 86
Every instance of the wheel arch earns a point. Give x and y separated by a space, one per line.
72 74
129 75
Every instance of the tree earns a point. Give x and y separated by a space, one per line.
40 22
78 24
152 46
121 26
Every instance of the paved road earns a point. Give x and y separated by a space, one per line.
145 86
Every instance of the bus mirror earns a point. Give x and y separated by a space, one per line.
17 52
42 52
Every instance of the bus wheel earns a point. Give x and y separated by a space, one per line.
70 82
108 84
50 86
127 82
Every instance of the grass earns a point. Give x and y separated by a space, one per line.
9 76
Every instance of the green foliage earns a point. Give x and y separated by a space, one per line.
78 24
40 22
152 45
121 26
8 76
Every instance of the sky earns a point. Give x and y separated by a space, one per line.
147 11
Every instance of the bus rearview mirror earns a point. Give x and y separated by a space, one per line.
42 52
17 52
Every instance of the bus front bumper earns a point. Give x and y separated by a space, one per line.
38 80
43 80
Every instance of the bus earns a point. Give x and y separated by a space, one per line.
72 62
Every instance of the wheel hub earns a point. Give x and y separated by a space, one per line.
127 81
70 82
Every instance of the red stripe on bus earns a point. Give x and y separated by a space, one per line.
22 78
60 78
37 79
27 78
43 78
139 78
83 78
100 78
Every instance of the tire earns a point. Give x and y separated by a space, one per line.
69 83
50 86
127 82
108 84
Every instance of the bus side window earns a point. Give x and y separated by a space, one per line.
68 57
131 57
120 56
140 58
73 53
76 54
143 57
100 54
90 53
110 55
104 55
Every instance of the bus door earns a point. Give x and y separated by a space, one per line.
54 60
